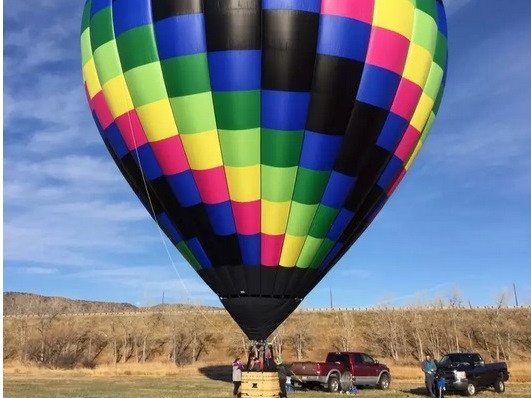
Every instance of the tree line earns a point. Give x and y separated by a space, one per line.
498 333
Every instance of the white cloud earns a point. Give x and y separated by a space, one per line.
74 169
421 296
482 127
37 41
41 270
151 280
355 273
59 113
47 49
453 6
62 210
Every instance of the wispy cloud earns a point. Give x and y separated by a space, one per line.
151 281
68 208
65 202
485 112
41 270
355 273
44 106
422 296
453 6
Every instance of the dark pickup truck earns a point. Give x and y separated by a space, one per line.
340 369
468 373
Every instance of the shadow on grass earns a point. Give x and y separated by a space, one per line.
421 391
218 373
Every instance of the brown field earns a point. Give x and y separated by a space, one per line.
520 371
70 385
157 380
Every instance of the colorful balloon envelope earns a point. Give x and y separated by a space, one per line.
263 136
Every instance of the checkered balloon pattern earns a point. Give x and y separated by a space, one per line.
263 136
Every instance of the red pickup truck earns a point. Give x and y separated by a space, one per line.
334 374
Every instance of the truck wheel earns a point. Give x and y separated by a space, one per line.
333 384
471 389
499 386
384 382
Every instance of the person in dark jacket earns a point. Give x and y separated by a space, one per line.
429 368
268 357
237 368
282 377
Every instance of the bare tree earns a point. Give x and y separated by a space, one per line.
46 318
114 339
418 330
278 340
455 304
148 324
300 335
237 344
386 332
346 331
498 323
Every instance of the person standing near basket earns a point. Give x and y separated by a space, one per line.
282 377
429 368
237 368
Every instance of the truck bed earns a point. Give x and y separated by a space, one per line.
315 368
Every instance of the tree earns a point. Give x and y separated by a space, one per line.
278 340
45 321
386 332
498 322
346 331
300 336
147 325
418 330
237 343
455 304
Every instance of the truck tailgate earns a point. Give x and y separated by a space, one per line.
306 368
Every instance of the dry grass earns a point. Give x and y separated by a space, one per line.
520 371
151 369
405 372
183 386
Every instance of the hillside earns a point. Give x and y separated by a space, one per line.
34 304
113 333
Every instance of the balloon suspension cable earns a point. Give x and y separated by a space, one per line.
152 208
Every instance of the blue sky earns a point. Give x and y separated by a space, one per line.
461 219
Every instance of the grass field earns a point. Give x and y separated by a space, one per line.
180 386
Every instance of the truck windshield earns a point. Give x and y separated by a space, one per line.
367 359
459 359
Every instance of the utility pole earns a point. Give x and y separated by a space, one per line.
331 302
163 297
515 295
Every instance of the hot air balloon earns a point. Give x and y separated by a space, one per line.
263 136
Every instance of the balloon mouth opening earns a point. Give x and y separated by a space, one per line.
244 295
259 316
